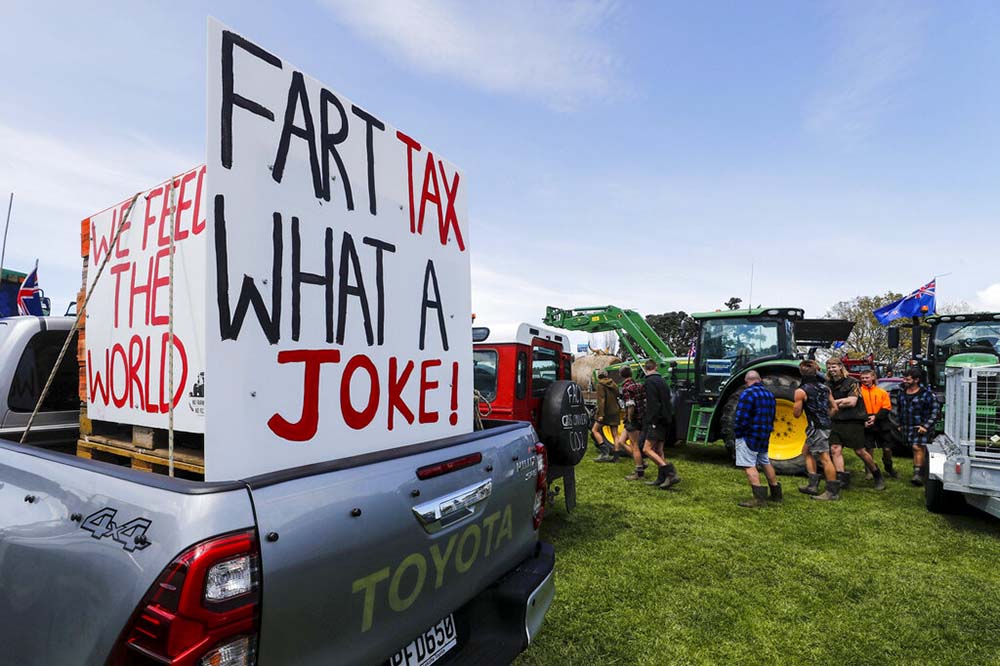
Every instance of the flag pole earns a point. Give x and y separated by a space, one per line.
3 250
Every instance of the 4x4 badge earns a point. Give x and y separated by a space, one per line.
131 535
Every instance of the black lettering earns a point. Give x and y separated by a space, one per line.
370 121
298 98
380 247
299 276
349 254
328 145
230 327
230 98
431 277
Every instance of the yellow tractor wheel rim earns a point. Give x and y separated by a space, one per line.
789 432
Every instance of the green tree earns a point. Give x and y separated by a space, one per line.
733 303
668 326
869 336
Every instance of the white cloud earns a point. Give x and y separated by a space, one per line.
989 298
875 45
551 51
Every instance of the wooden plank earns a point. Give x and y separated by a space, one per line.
184 459
148 438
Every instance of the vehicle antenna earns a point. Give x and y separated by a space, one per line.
750 302
3 250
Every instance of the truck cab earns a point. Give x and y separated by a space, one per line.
961 340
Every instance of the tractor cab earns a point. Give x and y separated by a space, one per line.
963 340
731 340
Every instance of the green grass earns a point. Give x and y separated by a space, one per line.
685 576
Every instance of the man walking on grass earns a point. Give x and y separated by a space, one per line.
878 431
657 423
752 426
918 412
814 398
848 427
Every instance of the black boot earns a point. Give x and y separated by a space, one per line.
813 487
637 474
759 498
844 478
672 478
879 480
661 476
775 493
832 491
889 469
605 454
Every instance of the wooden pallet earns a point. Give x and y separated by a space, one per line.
147 460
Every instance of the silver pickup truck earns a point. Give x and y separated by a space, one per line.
424 554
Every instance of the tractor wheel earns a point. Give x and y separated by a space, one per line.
564 425
939 500
789 433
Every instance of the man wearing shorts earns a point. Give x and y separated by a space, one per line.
918 412
877 428
848 423
814 398
657 424
634 398
752 425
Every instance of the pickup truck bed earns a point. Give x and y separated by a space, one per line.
346 562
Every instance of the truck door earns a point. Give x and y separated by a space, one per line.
545 369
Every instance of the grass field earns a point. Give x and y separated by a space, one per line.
685 576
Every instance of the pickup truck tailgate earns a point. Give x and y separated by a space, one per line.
351 573
81 542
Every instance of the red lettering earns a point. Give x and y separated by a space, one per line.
125 225
450 219
115 351
163 238
142 289
425 386
453 419
117 271
151 406
150 219
397 382
352 417
96 386
165 370
157 282
197 223
305 428
411 145
182 205
134 381
430 175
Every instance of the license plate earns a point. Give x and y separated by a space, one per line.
429 646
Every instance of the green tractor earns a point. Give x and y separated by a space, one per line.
707 382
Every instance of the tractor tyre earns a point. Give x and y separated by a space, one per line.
564 425
939 500
789 432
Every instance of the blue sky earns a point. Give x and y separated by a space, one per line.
640 154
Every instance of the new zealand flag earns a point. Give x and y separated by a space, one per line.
29 296
909 306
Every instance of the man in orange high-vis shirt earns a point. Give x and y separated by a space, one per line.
877 427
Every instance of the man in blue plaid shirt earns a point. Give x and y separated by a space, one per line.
752 427
918 412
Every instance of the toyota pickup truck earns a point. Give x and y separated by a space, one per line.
421 554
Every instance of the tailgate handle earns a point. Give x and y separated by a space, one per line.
449 509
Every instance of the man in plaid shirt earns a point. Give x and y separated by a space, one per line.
752 426
918 411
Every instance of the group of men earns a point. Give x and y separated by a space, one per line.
648 421
840 412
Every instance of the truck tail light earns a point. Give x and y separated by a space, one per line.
541 484
203 610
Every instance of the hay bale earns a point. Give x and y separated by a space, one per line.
584 366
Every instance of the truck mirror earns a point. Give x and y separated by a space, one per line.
480 333
892 335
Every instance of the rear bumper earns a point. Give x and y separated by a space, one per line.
500 622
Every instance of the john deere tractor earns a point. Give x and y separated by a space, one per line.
706 383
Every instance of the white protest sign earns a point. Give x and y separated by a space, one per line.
127 330
339 307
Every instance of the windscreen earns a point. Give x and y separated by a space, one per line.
730 344
962 337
